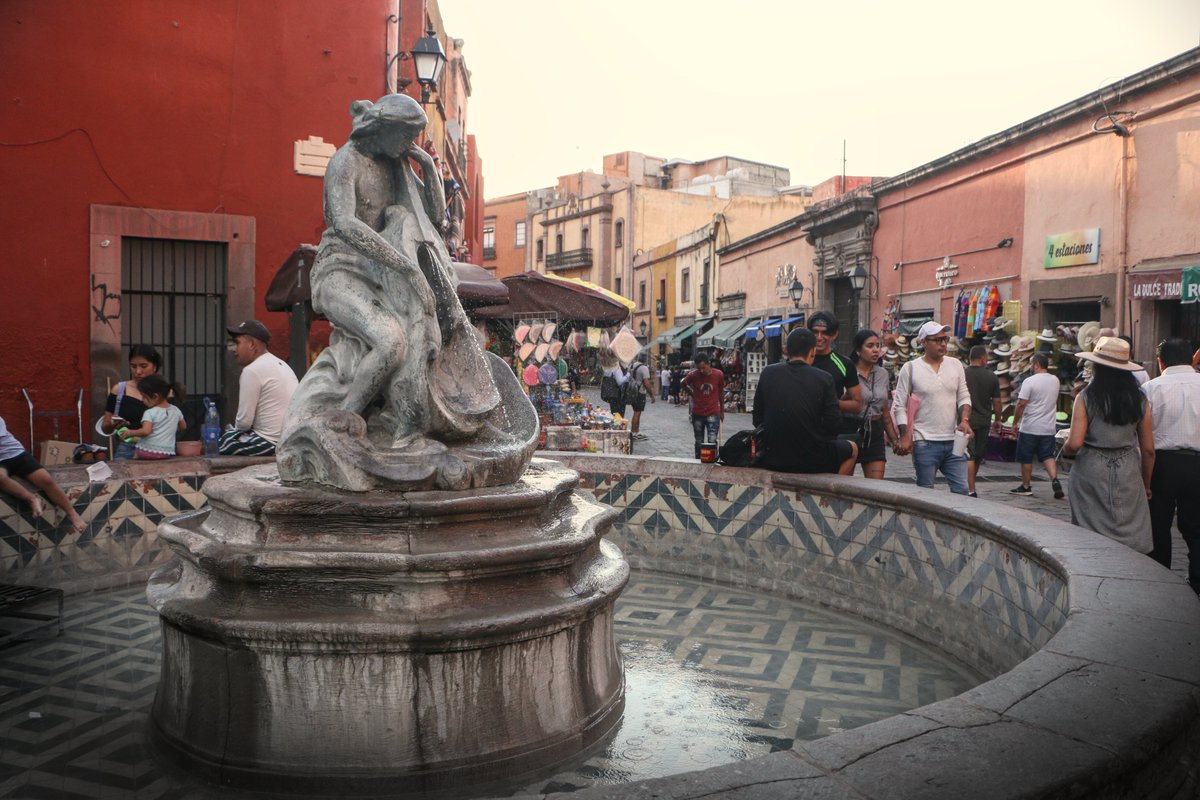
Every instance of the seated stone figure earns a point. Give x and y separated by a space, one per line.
404 396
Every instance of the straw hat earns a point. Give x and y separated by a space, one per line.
1111 352
1023 344
1047 335
1002 350
1002 368
902 342
1089 332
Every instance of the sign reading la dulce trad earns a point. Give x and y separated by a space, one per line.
1167 284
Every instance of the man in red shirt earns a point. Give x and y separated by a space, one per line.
706 386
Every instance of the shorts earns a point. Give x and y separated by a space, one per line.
639 402
1031 444
872 447
21 466
977 447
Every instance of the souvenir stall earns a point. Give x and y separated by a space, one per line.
555 330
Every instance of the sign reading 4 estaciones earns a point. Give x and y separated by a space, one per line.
1074 248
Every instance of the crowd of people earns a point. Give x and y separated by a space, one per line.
1133 443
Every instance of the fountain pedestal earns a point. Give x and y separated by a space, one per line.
317 641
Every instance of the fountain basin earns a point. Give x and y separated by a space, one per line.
320 642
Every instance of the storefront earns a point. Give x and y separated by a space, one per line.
1156 294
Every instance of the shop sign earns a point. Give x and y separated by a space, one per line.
1154 285
1190 285
784 275
1072 249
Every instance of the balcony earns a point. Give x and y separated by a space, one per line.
569 259
489 253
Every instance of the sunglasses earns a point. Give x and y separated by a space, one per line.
938 339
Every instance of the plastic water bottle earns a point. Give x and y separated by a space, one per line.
210 431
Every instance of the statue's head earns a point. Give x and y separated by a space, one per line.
394 122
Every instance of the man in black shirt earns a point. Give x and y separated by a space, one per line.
797 405
845 377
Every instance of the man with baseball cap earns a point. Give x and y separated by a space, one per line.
940 405
264 392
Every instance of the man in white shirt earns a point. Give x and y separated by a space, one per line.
1035 416
264 392
940 405
1174 399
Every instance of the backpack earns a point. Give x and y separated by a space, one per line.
610 390
743 449
633 386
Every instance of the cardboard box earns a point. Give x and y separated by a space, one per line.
53 452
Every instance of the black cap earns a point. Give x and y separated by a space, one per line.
252 327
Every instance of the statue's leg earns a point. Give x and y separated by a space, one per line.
354 303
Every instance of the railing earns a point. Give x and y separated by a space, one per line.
569 259
489 253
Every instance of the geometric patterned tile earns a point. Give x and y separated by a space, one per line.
714 675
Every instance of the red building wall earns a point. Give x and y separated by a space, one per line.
965 209
148 104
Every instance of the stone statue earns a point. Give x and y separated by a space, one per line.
404 397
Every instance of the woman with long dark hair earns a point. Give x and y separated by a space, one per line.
877 429
126 405
1112 438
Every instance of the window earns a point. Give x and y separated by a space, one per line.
541 248
642 294
617 286
619 233
685 280
519 238
558 242
489 240
583 238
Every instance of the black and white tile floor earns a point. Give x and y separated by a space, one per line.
714 675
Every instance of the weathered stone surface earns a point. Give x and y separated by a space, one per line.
404 396
316 640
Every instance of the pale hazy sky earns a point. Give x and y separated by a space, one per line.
559 83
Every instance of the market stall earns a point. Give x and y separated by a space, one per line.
552 330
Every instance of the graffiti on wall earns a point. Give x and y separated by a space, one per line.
105 304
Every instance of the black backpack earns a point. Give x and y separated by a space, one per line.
743 449
610 390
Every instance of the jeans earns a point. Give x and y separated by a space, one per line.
929 457
706 429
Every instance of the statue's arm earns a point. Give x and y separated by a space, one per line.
432 192
341 205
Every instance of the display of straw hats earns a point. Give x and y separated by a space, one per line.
1002 350
1047 335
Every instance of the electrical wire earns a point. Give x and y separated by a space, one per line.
95 154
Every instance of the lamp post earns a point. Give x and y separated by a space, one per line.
858 279
796 292
642 328
428 59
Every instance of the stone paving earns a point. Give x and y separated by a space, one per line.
670 436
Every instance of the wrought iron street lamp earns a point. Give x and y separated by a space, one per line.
796 292
858 279
429 59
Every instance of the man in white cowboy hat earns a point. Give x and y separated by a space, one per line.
1175 483
940 386
1036 426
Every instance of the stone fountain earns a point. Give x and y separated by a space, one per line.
407 601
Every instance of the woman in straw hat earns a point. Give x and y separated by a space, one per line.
1111 426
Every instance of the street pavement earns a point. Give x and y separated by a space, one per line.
670 436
